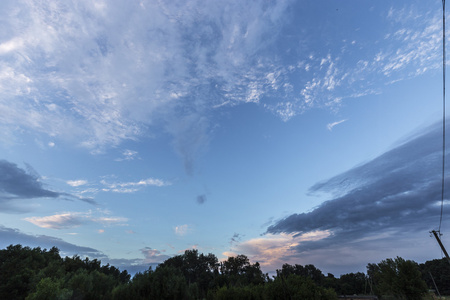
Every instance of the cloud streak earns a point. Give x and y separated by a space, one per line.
14 236
330 126
387 200
75 219
130 187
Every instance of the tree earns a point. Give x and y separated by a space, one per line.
440 270
238 270
397 277
297 287
352 284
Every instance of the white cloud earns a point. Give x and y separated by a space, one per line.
131 187
182 230
330 126
100 77
108 221
128 155
76 183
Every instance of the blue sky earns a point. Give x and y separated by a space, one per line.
289 131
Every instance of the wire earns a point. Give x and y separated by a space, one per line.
443 116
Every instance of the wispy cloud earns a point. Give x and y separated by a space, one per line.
102 80
331 125
76 183
128 155
182 230
130 187
75 219
61 221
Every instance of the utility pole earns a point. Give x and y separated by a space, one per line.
438 239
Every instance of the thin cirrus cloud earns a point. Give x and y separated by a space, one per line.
388 202
192 58
19 184
130 187
76 183
75 219
182 230
330 126
128 155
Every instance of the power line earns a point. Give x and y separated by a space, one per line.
443 115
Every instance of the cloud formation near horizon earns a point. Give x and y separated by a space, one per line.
10 236
397 193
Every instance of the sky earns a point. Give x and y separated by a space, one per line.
300 132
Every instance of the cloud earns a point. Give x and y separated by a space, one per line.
236 238
386 202
108 221
201 199
10 236
16 183
153 255
331 125
182 230
130 187
103 77
61 221
128 155
75 219
271 250
76 183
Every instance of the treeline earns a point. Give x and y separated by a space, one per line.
27 273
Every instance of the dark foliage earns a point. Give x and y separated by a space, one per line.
27 273
439 270
31 274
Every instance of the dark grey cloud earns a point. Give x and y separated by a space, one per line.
395 195
13 236
10 236
17 183
201 199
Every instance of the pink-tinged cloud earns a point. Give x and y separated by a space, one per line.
61 221
74 219
153 255
273 250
